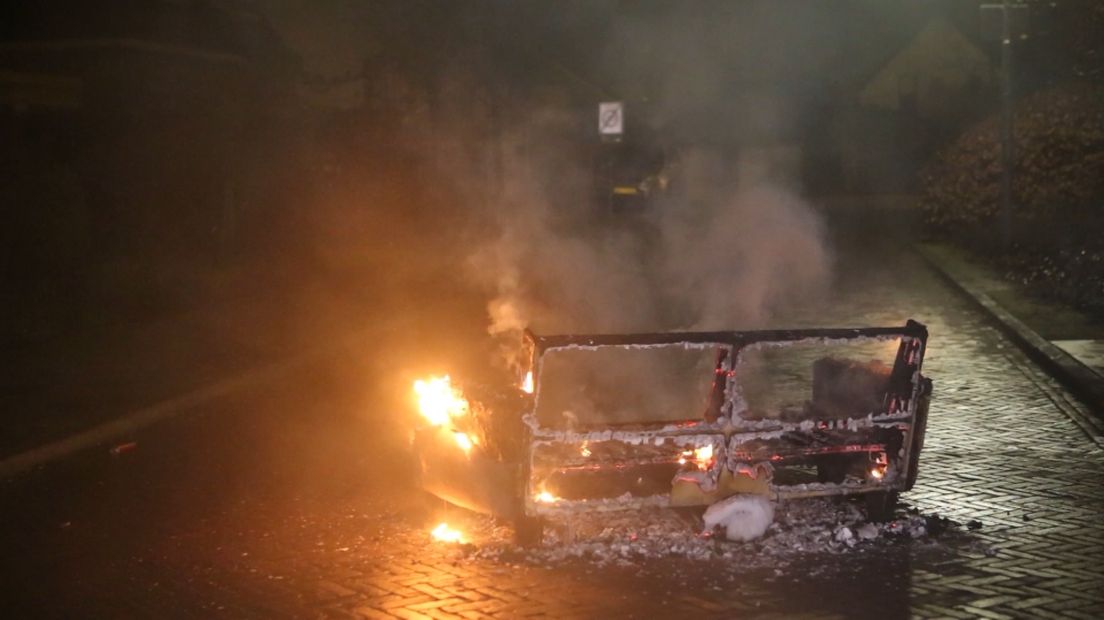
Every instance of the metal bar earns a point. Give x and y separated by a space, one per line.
733 338
1007 138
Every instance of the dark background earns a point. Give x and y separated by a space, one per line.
193 186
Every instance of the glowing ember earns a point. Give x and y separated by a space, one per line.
545 497
527 383
444 533
463 441
702 457
881 464
585 451
704 454
438 401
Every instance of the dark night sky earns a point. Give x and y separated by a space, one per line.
685 57
756 36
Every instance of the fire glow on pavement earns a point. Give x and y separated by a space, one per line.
444 533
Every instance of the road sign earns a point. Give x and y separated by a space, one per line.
611 118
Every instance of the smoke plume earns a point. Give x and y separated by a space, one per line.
735 245
727 257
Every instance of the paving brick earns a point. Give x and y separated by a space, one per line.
1001 445
371 612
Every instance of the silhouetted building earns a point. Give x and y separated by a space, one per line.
132 131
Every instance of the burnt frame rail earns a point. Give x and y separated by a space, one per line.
905 380
736 339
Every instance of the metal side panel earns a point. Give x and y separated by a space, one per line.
469 480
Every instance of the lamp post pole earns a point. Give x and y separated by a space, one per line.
1007 143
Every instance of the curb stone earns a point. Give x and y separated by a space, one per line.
1080 379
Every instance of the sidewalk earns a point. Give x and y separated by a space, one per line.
1067 343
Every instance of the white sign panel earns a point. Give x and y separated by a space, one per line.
611 118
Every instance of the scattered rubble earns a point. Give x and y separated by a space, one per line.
802 527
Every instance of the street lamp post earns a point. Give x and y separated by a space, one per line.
1007 143
1012 24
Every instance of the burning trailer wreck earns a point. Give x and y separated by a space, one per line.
618 422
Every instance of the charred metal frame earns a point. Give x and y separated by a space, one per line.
497 475
904 409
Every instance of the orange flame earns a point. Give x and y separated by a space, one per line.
444 533
527 383
545 497
438 401
702 457
881 464
463 441
584 450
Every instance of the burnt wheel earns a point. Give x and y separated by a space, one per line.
528 531
880 506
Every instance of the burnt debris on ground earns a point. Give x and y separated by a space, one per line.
802 528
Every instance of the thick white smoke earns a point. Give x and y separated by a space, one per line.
725 256
753 252
734 247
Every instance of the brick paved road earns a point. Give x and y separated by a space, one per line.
287 502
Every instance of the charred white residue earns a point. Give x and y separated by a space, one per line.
689 346
801 530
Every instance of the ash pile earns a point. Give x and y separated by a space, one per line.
798 528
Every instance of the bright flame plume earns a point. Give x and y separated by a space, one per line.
545 497
702 457
463 441
438 401
527 383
